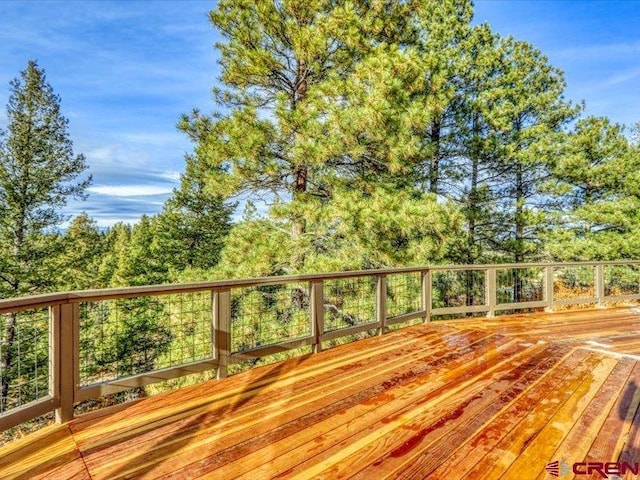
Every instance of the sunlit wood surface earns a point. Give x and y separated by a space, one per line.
473 398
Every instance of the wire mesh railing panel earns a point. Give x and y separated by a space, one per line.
573 282
190 327
269 314
124 337
458 288
519 285
349 302
24 357
404 293
621 280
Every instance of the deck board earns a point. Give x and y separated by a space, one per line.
469 398
49 453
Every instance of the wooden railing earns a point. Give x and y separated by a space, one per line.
68 348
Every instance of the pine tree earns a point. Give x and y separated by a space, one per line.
137 262
470 183
598 200
530 115
38 174
273 57
84 248
443 44
191 230
322 98
116 241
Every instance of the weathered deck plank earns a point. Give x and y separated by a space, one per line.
471 398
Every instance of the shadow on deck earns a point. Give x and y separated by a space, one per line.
473 398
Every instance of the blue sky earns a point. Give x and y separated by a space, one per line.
126 70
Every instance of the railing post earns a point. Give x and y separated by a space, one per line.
548 288
317 314
222 329
426 300
490 291
599 284
63 367
381 303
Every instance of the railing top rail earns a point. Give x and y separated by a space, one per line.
43 300
434 268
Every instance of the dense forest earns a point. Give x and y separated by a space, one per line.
375 134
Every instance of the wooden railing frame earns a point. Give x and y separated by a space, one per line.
490 291
222 330
64 324
381 303
426 300
317 314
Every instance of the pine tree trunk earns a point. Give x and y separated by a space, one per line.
300 172
473 197
519 233
299 187
473 205
434 167
472 214
298 224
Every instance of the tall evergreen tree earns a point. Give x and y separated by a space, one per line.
599 200
273 57
38 174
531 113
84 248
445 31
137 262
322 98
471 180
191 230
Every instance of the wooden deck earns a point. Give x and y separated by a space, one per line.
469 399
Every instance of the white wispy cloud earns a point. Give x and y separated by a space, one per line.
621 77
171 176
608 52
156 139
100 154
130 190
106 222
